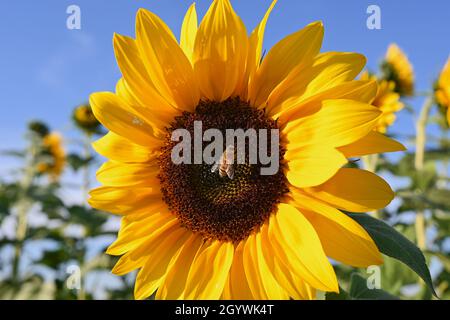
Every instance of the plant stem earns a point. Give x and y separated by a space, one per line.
23 205
86 168
370 164
421 139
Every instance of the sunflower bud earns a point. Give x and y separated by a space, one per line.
397 68
84 119
39 128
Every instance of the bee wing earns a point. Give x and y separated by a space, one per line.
230 171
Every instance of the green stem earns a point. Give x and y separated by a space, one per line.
23 206
421 139
370 164
86 169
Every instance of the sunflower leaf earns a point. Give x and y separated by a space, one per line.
342 295
359 291
393 244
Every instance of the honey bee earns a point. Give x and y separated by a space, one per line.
225 163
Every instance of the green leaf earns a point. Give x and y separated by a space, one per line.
13 153
77 162
342 295
393 244
358 290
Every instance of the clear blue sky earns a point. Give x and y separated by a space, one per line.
47 69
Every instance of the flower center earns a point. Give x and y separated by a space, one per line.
211 199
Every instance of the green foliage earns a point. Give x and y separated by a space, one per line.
393 244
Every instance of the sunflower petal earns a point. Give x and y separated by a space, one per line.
354 190
255 44
216 257
220 51
342 238
327 71
117 148
122 200
272 288
128 175
167 65
313 165
339 122
152 273
176 277
133 233
297 244
359 90
237 287
374 142
137 87
251 269
292 52
116 115
291 282
189 32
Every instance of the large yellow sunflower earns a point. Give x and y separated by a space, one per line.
387 100
196 235
397 68
443 89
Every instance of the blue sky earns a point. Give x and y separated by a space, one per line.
48 69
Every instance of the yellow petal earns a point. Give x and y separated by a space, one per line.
189 32
354 190
255 44
297 244
237 287
342 238
338 122
117 148
175 280
251 269
215 258
132 234
123 200
152 273
137 86
374 142
292 52
327 71
291 282
156 115
167 65
359 90
270 285
126 265
130 174
220 51
313 165
116 115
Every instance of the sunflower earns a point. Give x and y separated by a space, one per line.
397 68
55 156
84 119
442 93
196 235
387 100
